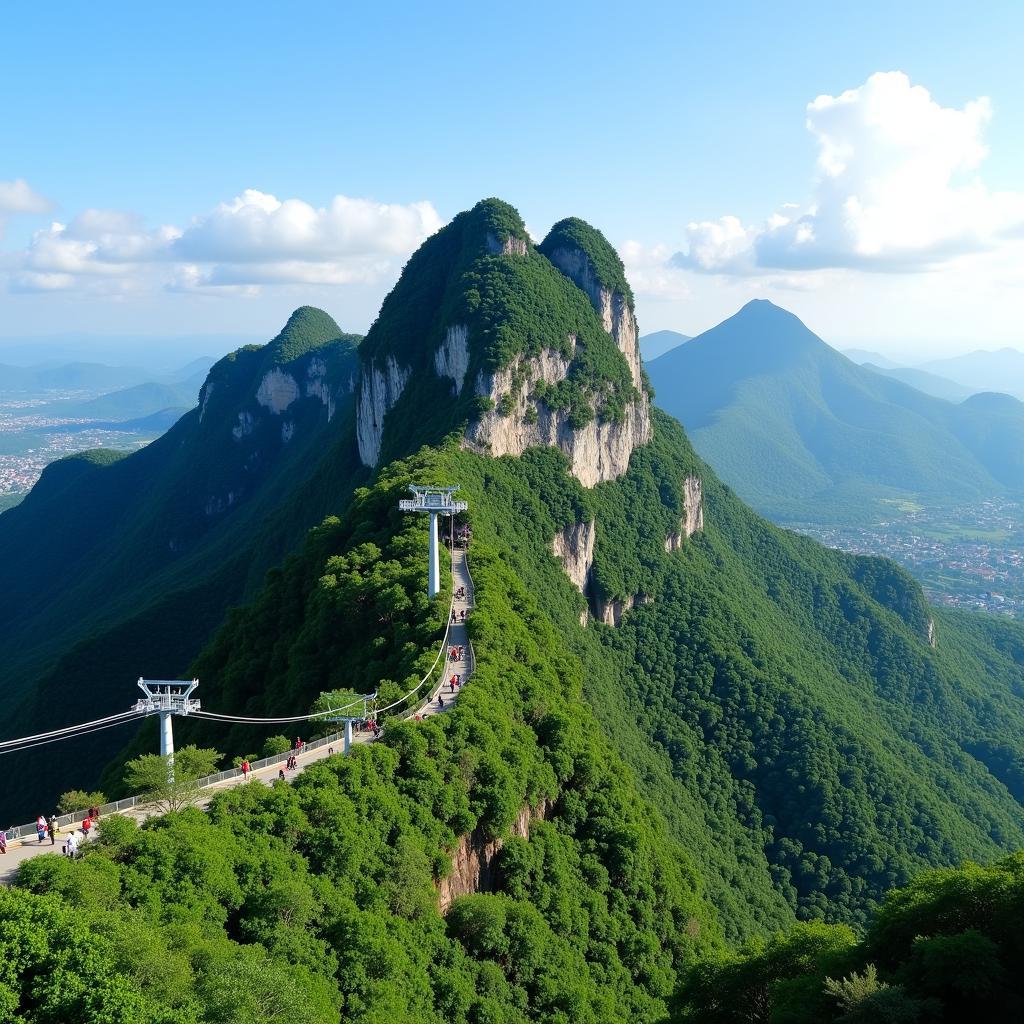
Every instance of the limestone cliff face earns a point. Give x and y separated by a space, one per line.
379 389
613 307
610 611
574 546
597 452
693 514
933 638
510 246
473 868
452 358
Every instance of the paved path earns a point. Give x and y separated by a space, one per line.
21 850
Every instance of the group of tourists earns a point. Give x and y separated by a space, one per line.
458 616
457 653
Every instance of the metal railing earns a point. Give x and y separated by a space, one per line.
63 820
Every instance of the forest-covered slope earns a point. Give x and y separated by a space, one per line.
120 566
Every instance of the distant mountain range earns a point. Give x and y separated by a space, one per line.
797 428
660 342
135 402
929 383
1001 370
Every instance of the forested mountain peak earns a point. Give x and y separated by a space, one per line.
516 345
761 336
308 328
805 434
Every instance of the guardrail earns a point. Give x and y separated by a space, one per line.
63 820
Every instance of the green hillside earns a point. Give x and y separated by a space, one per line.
797 429
122 565
729 743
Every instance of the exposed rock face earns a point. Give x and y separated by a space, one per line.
613 307
693 514
933 638
597 452
610 612
473 868
204 400
452 358
574 545
277 390
379 391
246 423
317 386
509 247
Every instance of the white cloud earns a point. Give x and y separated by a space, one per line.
258 228
650 272
254 240
17 197
896 188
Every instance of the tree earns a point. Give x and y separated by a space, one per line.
276 745
171 782
79 800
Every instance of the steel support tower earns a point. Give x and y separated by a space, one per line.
435 501
167 697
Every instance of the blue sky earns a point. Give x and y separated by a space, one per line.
656 122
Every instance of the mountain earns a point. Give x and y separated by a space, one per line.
921 380
70 377
660 342
1000 370
687 728
800 430
129 403
129 561
863 355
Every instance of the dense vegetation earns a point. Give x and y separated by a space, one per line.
800 431
573 234
948 947
328 884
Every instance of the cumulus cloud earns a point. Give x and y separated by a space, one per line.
253 240
650 271
896 187
17 197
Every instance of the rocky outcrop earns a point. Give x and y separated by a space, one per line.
574 545
473 868
277 390
379 390
933 638
613 307
452 358
205 394
507 247
245 426
693 514
317 386
597 452
610 611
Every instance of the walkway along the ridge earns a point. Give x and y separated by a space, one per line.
457 638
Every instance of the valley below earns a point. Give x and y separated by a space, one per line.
968 556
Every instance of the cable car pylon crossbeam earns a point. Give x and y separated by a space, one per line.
436 501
